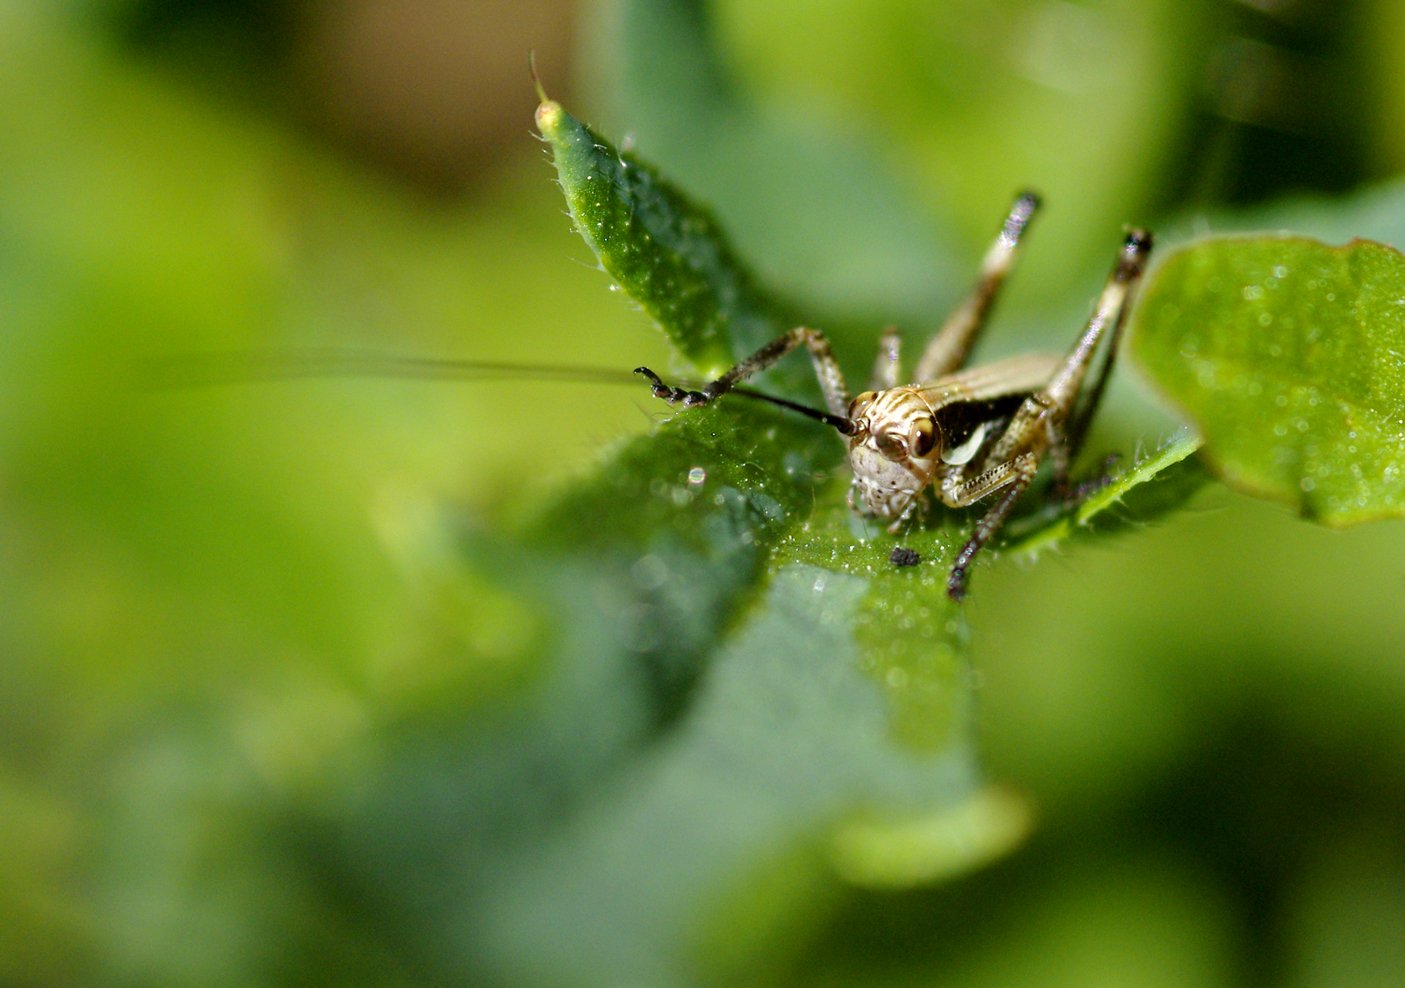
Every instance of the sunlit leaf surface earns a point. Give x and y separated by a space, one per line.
1290 356
733 676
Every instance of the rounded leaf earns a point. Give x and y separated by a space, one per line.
1290 356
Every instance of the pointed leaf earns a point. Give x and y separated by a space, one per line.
1128 499
734 678
666 252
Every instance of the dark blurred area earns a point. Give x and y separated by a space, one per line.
1279 107
432 91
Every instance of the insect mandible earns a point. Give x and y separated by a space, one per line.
969 433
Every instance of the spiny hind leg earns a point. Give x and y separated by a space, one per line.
1131 265
1054 418
953 342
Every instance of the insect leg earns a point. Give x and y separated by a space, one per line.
836 393
1039 423
887 366
1013 476
949 347
1130 266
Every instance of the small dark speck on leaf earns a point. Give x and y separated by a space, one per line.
903 556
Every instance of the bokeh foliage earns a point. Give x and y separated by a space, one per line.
297 685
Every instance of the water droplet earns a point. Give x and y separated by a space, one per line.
1252 293
1307 484
1280 271
696 476
1265 319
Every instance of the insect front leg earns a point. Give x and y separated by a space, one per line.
1010 477
953 342
831 378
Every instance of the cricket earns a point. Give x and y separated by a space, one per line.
968 433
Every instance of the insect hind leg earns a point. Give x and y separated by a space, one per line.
1131 265
1054 417
953 342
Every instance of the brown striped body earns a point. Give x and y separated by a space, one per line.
914 436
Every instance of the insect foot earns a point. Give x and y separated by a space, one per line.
674 396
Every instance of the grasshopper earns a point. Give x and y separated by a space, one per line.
969 433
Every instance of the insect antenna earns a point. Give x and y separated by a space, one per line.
839 422
184 370
251 366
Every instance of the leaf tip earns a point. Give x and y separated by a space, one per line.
929 848
549 117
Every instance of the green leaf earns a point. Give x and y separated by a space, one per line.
1128 499
1287 353
739 697
818 210
667 253
944 95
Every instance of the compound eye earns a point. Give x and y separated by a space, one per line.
924 437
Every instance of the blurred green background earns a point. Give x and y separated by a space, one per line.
217 596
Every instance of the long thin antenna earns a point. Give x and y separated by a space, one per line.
180 371
186 370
